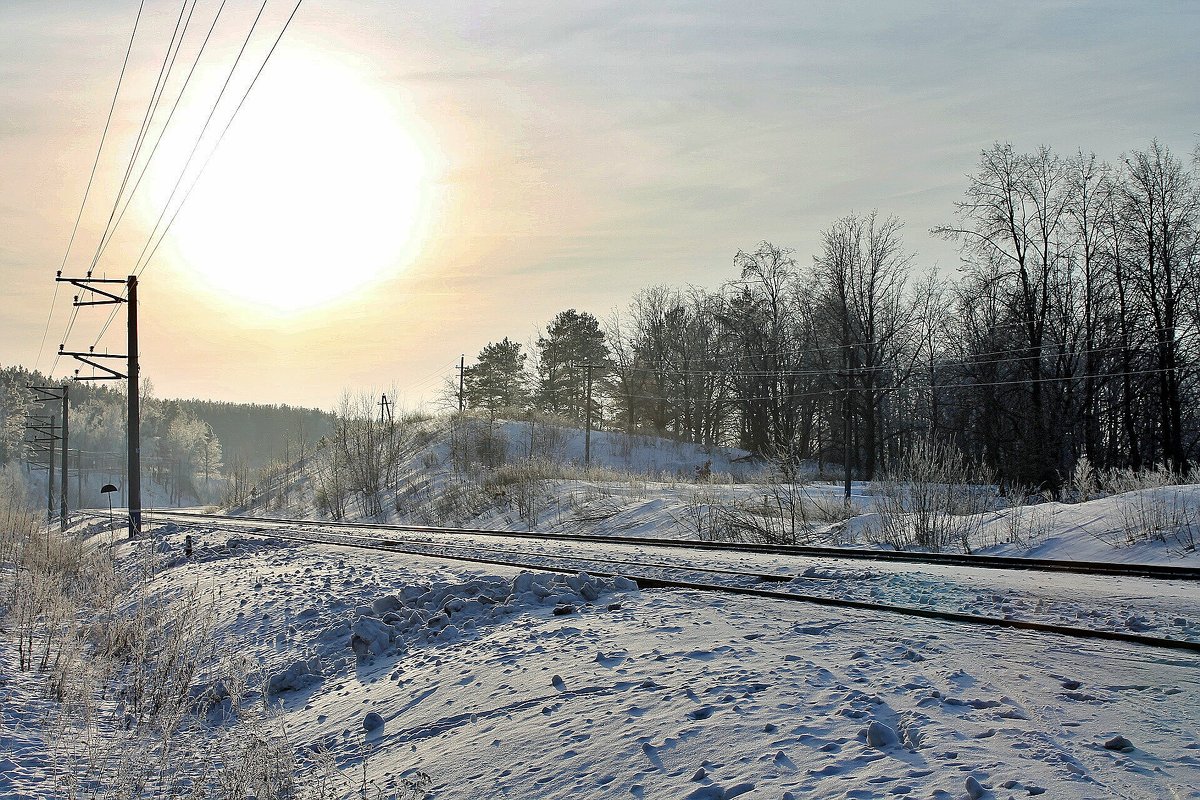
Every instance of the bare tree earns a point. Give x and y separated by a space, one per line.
862 279
1160 208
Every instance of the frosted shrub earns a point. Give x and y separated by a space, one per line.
476 444
788 512
932 498
19 516
1152 506
1084 480
547 438
332 483
1026 524
703 517
1162 514
1117 481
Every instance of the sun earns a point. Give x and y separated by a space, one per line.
317 191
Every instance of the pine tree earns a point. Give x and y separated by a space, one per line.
572 340
498 380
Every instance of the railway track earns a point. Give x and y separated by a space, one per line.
943 559
747 583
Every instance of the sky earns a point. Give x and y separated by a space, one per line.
406 182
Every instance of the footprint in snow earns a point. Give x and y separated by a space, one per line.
612 660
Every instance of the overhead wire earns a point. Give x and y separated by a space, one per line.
834 391
160 84
200 137
164 71
141 262
791 352
87 191
167 122
221 137
1015 354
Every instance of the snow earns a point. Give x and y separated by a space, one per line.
468 674
511 682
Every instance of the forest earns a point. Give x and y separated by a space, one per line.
1068 332
188 446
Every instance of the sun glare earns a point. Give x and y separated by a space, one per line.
316 192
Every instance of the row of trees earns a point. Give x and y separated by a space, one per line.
1069 331
189 447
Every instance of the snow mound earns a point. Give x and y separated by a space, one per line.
448 612
297 675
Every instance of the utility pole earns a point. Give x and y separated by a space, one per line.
50 479
47 426
62 513
135 413
134 421
846 409
462 372
60 393
385 410
587 430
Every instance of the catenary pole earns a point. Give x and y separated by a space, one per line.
97 288
62 514
135 419
587 431
50 480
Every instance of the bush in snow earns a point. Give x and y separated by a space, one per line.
1084 479
1165 514
931 497
1119 481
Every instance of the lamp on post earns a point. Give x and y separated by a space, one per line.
107 490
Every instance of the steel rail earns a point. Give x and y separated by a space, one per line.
762 577
345 540
1156 571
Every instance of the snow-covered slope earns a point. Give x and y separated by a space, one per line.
517 476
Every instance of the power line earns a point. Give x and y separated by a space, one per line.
166 124
187 162
224 131
156 94
91 177
1010 355
834 391
143 264
835 350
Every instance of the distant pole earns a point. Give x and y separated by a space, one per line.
587 431
50 481
385 410
135 419
62 515
43 394
462 372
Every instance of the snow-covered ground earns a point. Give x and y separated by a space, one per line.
498 683
416 674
